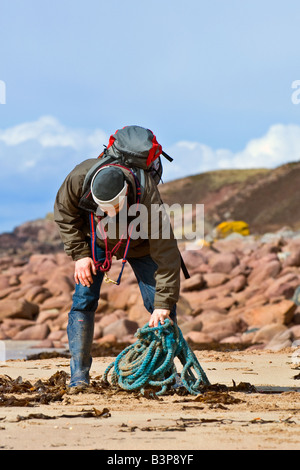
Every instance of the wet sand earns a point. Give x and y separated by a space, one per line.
268 418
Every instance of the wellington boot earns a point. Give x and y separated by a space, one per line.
80 331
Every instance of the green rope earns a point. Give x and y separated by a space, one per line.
150 362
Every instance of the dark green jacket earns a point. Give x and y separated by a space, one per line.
74 227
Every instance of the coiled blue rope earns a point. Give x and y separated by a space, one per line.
150 362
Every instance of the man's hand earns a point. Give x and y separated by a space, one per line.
84 268
159 315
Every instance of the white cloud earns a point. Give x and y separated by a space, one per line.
49 132
36 156
281 144
45 143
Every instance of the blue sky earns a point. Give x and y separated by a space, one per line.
213 80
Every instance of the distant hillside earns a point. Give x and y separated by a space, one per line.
266 199
38 236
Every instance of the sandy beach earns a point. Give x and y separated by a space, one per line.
265 416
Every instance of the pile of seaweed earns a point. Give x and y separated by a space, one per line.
23 393
40 392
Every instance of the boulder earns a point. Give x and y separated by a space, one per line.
3 335
214 279
41 264
293 259
110 318
45 344
46 315
56 335
118 296
222 302
121 328
198 337
183 308
60 284
8 291
14 280
195 282
33 279
264 270
4 282
12 327
97 331
209 317
103 306
35 332
267 332
281 312
193 325
295 331
222 329
37 294
284 285
223 262
109 338
193 258
237 283
61 302
17 308
236 339
60 322
139 314
280 341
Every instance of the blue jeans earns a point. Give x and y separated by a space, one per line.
85 301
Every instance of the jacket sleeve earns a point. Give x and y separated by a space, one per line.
69 218
163 250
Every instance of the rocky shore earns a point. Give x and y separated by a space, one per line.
241 294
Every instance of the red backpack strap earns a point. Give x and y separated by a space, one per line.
155 151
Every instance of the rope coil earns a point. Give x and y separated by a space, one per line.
150 362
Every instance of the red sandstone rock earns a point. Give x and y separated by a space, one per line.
215 279
267 332
37 294
109 338
193 325
139 314
295 331
46 315
193 258
222 329
98 331
121 328
281 312
15 308
195 282
35 332
223 262
110 318
264 271
198 337
242 282
284 285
